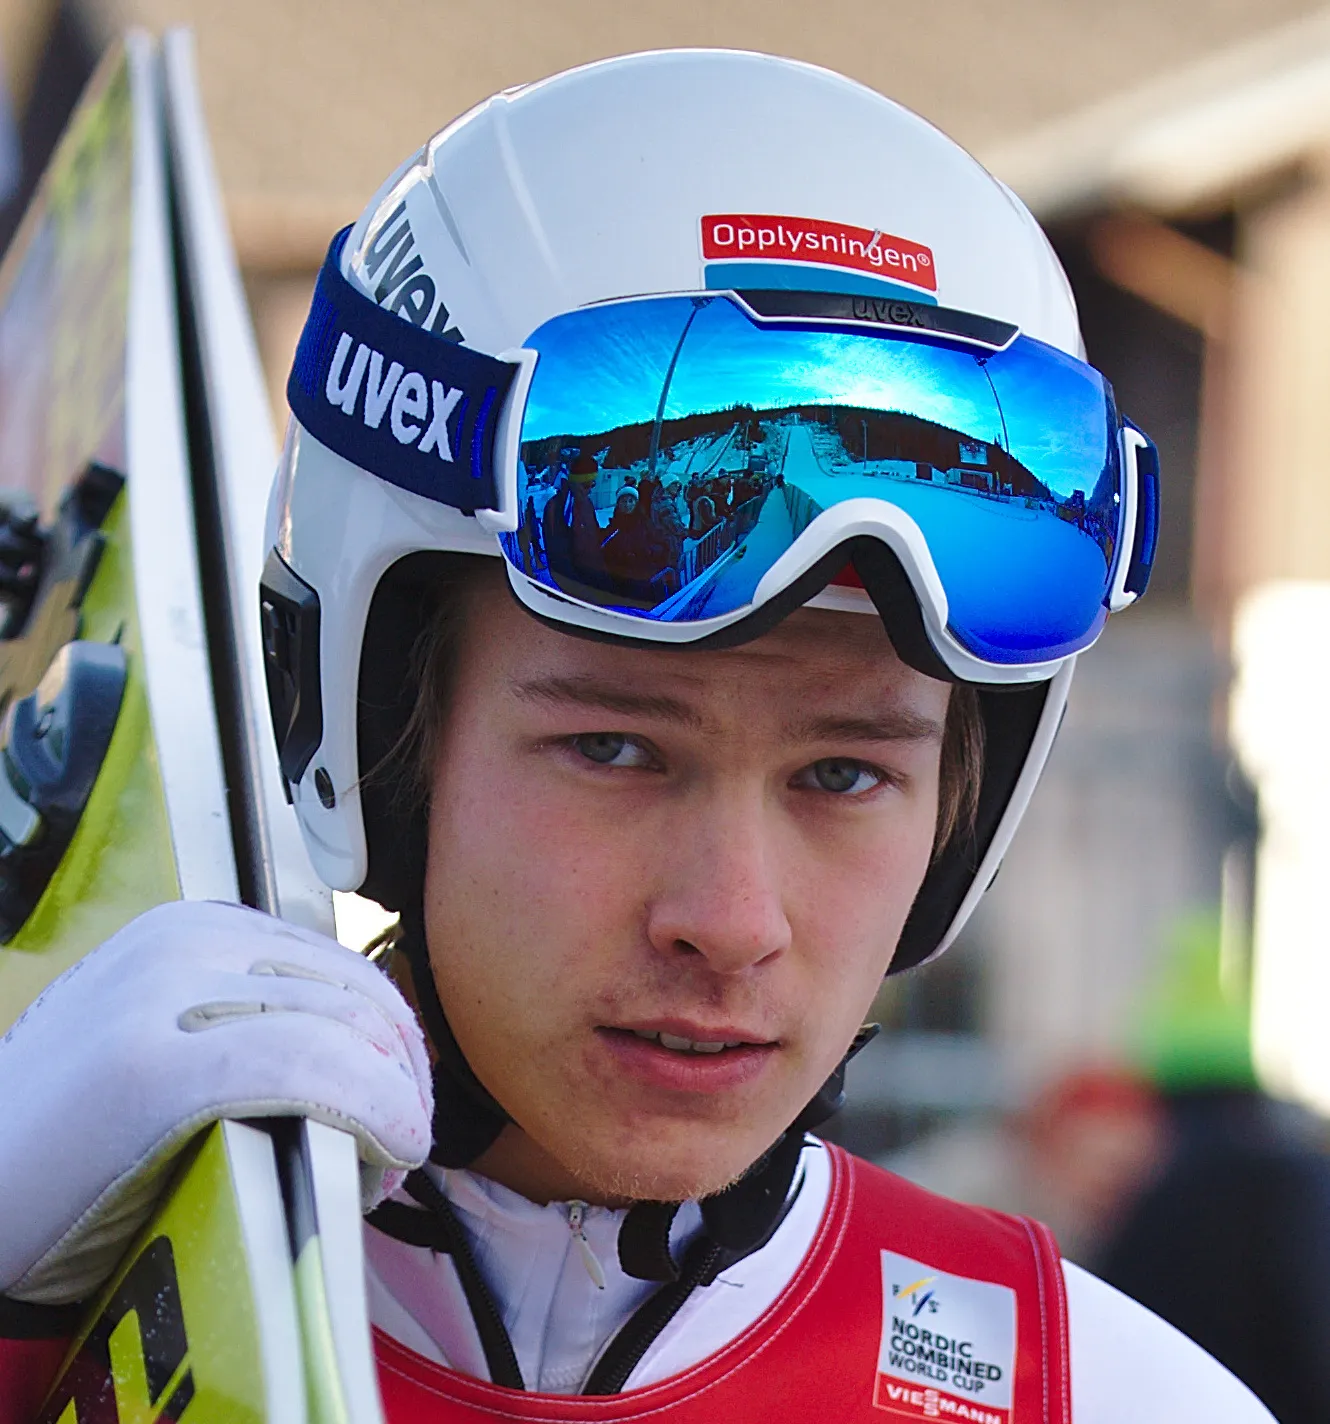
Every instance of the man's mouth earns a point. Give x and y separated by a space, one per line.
680 1036
687 1045
679 1056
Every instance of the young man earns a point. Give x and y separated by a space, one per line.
654 838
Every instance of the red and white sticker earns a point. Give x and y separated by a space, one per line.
762 237
948 1345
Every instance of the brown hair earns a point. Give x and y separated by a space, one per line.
962 768
434 664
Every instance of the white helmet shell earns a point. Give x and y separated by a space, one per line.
595 184
621 178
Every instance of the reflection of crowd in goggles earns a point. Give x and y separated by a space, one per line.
657 430
651 542
632 535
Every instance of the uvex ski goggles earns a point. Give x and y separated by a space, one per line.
663 466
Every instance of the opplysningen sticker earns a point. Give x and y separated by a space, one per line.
770 237
948 1345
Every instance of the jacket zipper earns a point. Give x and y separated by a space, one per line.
576 1217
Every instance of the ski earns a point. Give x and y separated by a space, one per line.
321 1188
136 450
103 631
234 455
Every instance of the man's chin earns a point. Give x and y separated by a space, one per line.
689 1173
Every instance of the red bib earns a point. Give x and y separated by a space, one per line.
906 1306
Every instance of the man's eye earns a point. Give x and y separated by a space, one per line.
610 749
842 776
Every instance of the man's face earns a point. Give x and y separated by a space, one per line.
634 851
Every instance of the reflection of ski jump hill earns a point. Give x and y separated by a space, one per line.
697 445
1043 556
994 530
706 436
700 458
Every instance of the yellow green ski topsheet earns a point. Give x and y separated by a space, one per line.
210 1319
64 292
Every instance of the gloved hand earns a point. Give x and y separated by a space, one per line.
193 1012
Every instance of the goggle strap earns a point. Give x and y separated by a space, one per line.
417 410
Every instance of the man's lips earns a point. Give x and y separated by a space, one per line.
678 1033
653 1053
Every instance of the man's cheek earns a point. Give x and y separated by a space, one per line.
594 880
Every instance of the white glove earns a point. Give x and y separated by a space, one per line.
193 1012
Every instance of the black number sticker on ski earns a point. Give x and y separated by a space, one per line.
150 1297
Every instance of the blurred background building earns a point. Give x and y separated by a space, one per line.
1179 155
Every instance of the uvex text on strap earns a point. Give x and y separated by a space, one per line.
418 411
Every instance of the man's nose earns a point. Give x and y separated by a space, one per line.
722 897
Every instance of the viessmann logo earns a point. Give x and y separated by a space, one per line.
748 237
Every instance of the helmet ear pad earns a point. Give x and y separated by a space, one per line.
393 801
1011 717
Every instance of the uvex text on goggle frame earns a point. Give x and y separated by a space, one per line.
662 467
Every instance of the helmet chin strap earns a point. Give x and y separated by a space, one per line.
467 1120
737 1220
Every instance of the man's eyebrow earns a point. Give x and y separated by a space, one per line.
606 697
897 725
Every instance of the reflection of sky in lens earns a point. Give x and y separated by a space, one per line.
604 366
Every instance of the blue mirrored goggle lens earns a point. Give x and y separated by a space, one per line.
672 449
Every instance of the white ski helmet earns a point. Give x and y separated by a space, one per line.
678 172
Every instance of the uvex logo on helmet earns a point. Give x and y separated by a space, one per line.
416 408
750 237
392 263
404 394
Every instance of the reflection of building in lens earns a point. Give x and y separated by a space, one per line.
973 452
889 442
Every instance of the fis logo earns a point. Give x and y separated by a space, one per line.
404 395
948 1344
919 1295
